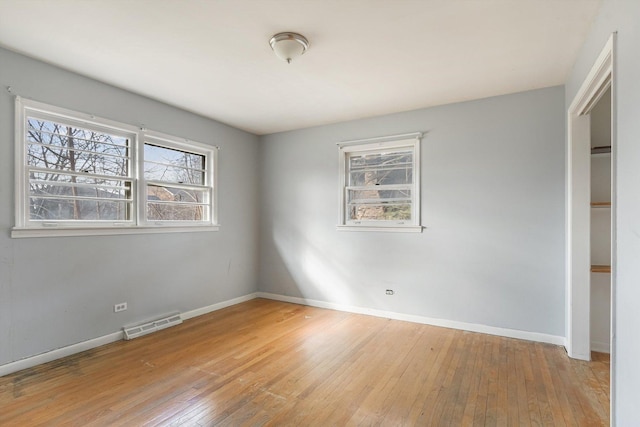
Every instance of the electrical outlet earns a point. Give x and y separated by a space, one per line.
390 292
120 307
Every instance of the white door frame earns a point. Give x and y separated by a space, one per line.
578 209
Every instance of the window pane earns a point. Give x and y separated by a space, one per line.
378 196
171 194
37 176
55 146
386 212
65 209
44 184
176 212
381 169
380 159
75 191
45 130
170 165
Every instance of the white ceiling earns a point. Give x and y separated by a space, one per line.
367 57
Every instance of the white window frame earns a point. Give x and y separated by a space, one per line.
409 142
136 223
166 141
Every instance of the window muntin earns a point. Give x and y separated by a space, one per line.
380 186
75 171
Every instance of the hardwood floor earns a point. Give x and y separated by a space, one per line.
270 363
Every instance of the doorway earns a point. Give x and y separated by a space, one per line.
589 214
600 233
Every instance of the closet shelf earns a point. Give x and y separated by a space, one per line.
600 204
601 150
601 269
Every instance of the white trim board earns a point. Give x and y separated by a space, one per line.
31 361
59 353
218 306
578 207
452 324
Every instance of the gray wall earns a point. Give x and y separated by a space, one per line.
622 16
492 183
56 292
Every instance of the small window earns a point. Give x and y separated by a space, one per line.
95 176
380 184
177 182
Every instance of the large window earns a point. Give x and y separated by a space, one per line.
380 184
78 174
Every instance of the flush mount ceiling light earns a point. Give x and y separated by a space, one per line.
288 46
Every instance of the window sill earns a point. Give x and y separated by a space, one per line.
20 233
394 229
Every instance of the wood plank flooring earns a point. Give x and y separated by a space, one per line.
271 363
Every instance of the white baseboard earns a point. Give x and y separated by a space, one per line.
49 356
59 353
472 327
213 307
600 347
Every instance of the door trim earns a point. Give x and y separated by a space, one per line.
578 164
